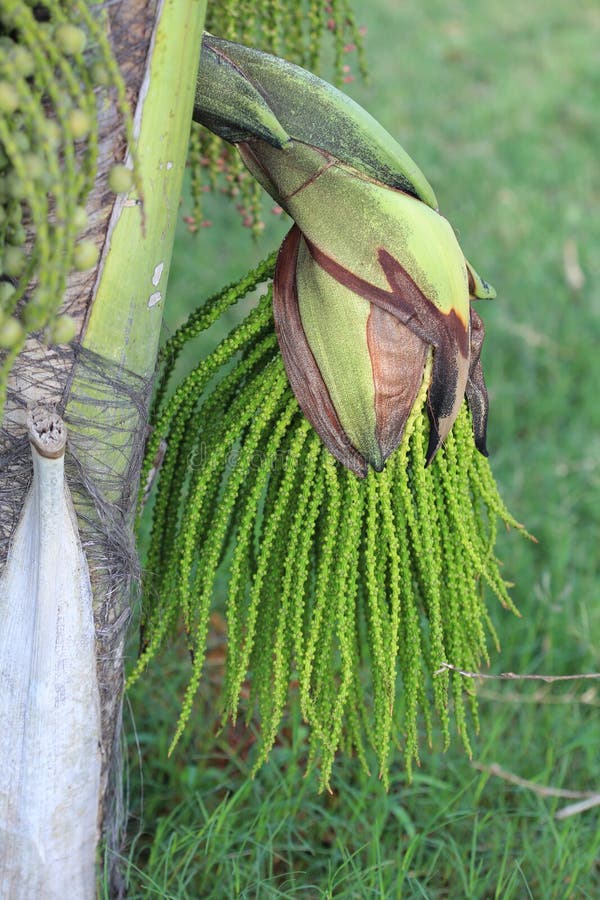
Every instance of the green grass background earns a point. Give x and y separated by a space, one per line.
499 103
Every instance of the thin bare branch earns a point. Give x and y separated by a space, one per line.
574 809
541 790
543 697
512 676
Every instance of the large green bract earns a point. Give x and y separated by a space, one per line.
369 230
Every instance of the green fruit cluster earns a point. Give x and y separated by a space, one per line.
48 154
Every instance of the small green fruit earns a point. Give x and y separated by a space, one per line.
52 133
34 316
79 124
62 330
99 74
34 164
14 214
9 98
80 218
22 141
6 292
120 179
14 261
15 188
85 256
70 39
22 61
16 235
11 332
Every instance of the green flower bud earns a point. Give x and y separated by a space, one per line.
35 315
70 39
371 278
11 332
99 74
15 188
85 256
34 164
244 94
13 262
22 61
62 330
120 179
9 98
15 214
52 133
6 292
16 235
22 141
79 124
80 218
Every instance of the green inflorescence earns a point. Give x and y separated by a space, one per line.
295 29
352 593
53 57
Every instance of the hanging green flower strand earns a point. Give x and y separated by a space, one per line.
359 590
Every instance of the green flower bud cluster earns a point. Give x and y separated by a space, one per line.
48 155
358 590
296 29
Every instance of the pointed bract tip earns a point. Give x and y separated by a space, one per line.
479 288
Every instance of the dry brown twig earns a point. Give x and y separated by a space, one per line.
585 799
542 697
512 676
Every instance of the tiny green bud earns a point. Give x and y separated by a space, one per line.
34 315
22 61
70 39
85 256
6 292
80 218
79 124
11 332
9 98
14 261
52 133
15 188
99 74
21 141
62 330
120 179
16 235
34 165
14 214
